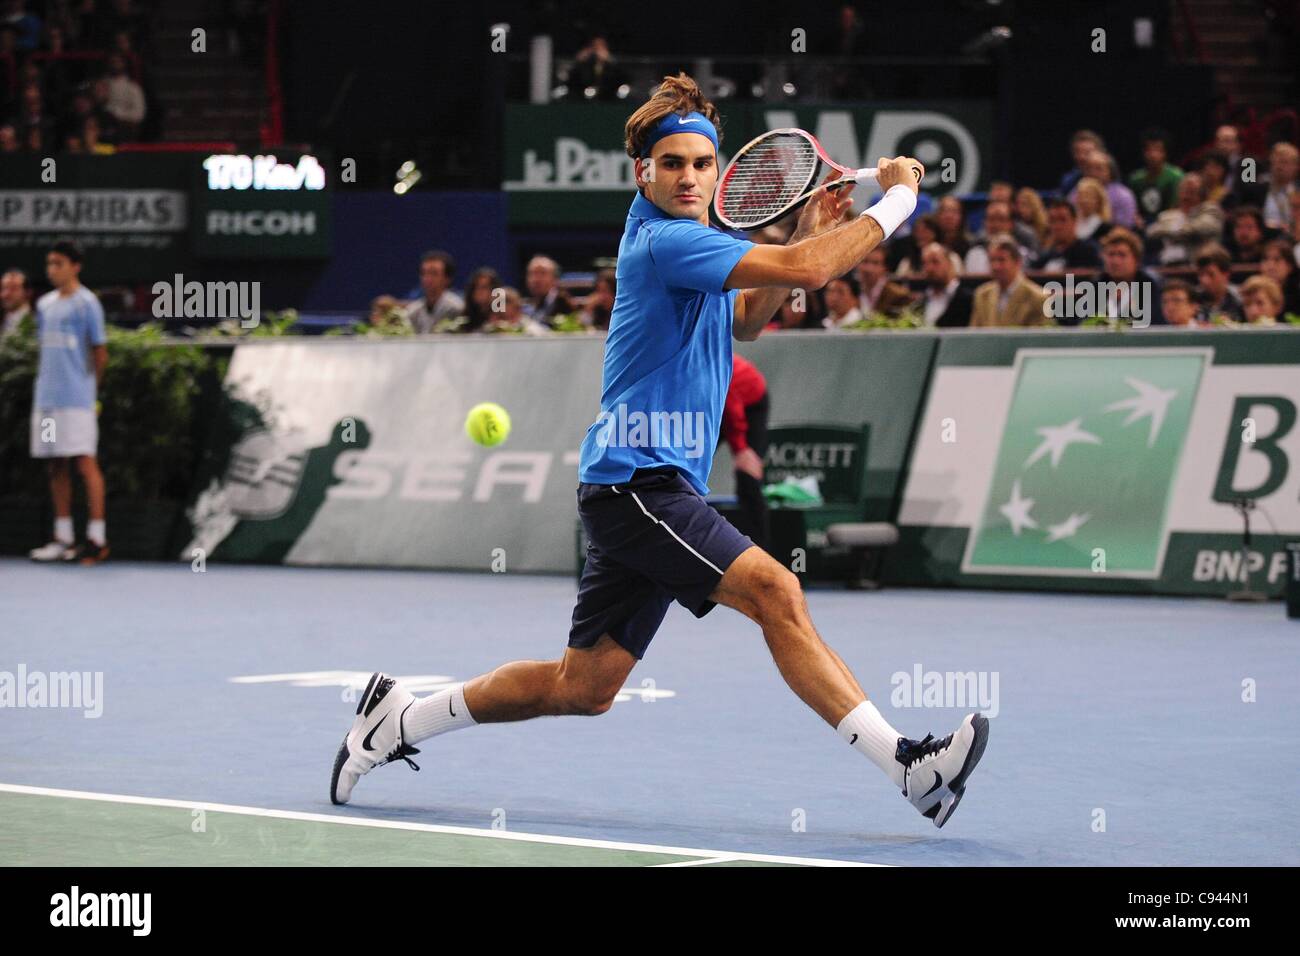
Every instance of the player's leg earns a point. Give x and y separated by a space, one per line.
60 479
758 586
616 615
96 548
931 773
583 682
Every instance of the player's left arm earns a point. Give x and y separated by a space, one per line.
755 307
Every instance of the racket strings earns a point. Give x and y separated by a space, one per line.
768 178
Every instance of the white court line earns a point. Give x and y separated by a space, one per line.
704 862
708 856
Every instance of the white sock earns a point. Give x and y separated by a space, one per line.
870 734
95 531
63 530
436 714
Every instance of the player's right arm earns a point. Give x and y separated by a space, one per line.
813 262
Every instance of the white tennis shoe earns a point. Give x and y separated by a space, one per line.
375 738
935 773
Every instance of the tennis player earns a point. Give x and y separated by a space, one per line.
684 290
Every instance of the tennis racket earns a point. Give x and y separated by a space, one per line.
775 174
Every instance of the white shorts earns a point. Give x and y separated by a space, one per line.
64 432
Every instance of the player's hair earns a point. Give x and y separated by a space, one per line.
676 94
437 255
67 248
1180 285
1119 236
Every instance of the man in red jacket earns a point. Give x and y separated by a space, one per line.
744 429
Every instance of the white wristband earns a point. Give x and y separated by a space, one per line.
893 208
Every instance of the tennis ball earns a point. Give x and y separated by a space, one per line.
488 424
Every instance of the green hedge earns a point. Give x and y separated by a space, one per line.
153 397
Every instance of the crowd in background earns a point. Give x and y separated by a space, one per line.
1186 232
71 75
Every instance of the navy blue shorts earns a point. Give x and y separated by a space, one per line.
649 541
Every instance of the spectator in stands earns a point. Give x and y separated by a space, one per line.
33 117
1000 191
1030 219
878 294
599 306
1155 185
483 295
545 297
386 312
26 26
16 301
9 139
1121 253
1219 299
436 301
1065 251
1008 299
108 124
1178 232
1278 263
1082 145
841 296
1228 142
1124 212
798 311
998 224
1245 242
1177 300
1261 300
513 318
125 99
1283 168
1295 224
1092 210
951 219
905 251
595 73
1213 169
944 303
89 142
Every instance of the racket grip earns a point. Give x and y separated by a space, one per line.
872 173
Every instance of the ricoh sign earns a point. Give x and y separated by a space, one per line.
262 206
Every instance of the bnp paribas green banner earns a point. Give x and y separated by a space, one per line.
1107 462
565 163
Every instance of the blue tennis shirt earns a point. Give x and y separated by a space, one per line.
668 350
69 327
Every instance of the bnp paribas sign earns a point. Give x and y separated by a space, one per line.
1107 462
565 162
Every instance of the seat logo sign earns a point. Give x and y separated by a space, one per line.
1086 463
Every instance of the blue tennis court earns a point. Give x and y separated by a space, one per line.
1130 731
